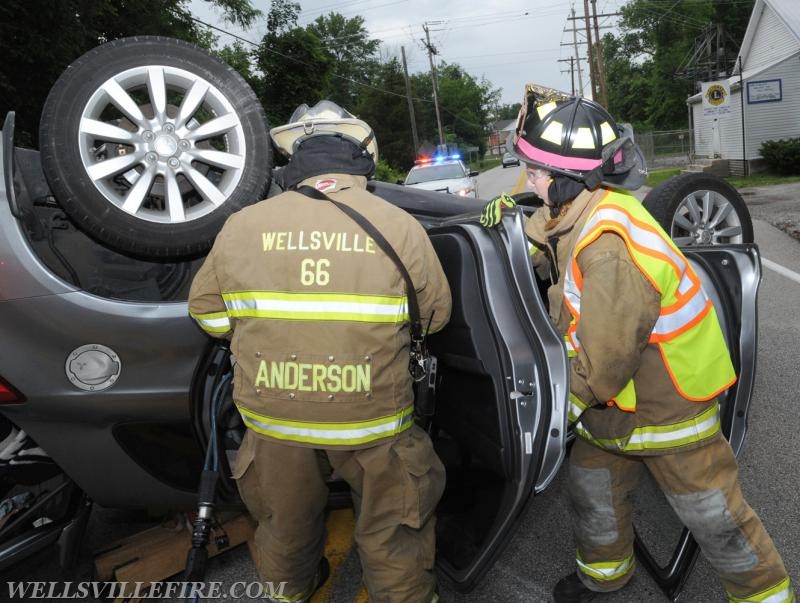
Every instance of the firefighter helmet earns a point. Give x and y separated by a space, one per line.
324 118
578 138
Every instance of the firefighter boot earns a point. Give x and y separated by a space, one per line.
570 589
323 571
321 575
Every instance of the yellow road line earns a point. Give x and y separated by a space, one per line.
519 185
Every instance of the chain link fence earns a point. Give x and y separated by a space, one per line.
668 148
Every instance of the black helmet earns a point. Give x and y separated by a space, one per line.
576 137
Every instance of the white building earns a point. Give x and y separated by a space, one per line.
770 57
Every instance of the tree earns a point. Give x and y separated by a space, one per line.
282 16
642 64
384 107
33 57
295 69
507 111
465 104
347 43
240 58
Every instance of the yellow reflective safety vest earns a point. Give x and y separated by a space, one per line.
687 332
317 314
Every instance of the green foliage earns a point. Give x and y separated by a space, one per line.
295 70
507 111
658 176
782 156
645 64
386 173
384 107
282 16
347 43
465 105
238 57
237 12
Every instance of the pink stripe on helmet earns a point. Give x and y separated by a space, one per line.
580 164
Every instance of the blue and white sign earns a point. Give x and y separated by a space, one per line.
764 91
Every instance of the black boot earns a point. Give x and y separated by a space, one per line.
570 589
323 571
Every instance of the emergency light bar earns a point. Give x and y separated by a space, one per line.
424 159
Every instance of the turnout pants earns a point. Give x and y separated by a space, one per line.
702 487
395 486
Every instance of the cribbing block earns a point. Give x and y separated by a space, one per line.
158 553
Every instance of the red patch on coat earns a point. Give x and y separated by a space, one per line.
325 185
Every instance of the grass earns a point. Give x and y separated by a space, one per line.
657 176
484 164
760 180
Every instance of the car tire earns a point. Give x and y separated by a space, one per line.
700 209
150 143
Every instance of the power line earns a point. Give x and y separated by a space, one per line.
298 61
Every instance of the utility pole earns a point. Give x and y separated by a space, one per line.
575 44
590 51
431 52
410 102
571 61
601 72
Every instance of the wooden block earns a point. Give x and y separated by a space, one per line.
159 553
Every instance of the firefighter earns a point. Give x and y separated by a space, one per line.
317 315
647 357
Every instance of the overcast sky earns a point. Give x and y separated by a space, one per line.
507 42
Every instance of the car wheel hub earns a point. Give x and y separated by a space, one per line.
166 146
162 144
706 218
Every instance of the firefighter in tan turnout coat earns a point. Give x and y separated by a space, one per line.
318 320
648 358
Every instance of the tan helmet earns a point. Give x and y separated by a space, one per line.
324 118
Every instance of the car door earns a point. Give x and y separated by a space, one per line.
500 424
731 275
495 300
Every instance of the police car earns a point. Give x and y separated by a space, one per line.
443 173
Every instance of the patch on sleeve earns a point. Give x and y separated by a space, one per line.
327 184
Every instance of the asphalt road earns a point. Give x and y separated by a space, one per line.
542 549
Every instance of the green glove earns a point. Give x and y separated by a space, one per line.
493 211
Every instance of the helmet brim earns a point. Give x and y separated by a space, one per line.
632 179
286 137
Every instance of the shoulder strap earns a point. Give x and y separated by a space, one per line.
380 240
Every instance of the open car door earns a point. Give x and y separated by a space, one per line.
731 275
502 387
